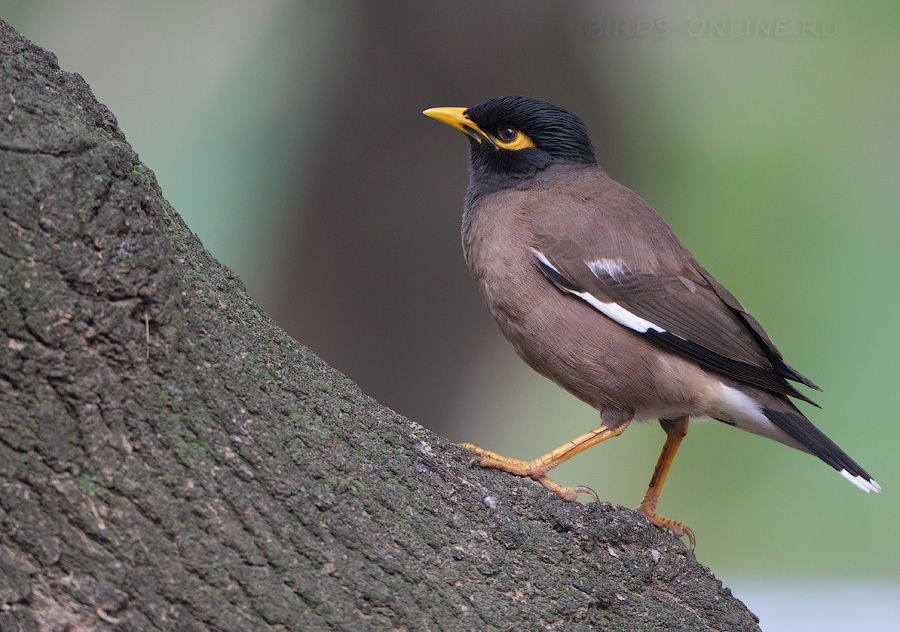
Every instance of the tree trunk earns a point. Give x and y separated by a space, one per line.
171 460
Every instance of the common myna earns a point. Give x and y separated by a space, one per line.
595 292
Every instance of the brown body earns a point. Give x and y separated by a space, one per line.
562 337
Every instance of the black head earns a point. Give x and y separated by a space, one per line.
514 137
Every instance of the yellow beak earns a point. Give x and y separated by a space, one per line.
456 117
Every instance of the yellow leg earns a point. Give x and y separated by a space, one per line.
537 469
675 432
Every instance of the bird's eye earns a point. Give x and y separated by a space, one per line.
507 134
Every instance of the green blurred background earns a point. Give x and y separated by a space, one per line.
289 137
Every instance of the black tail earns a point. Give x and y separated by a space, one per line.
801 430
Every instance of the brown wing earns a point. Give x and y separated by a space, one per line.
654 286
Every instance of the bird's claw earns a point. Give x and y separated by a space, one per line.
581 489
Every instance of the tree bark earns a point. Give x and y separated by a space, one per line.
171 460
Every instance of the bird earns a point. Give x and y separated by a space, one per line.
594 291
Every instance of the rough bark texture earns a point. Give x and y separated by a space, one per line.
171 460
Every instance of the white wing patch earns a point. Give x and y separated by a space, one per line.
613 268
612 310
619 314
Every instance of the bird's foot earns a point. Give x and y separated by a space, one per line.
535 470
676 527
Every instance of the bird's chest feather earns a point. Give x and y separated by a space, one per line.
531 313
495 245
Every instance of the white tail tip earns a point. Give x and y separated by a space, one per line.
867 485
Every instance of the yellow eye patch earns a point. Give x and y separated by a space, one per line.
517 140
